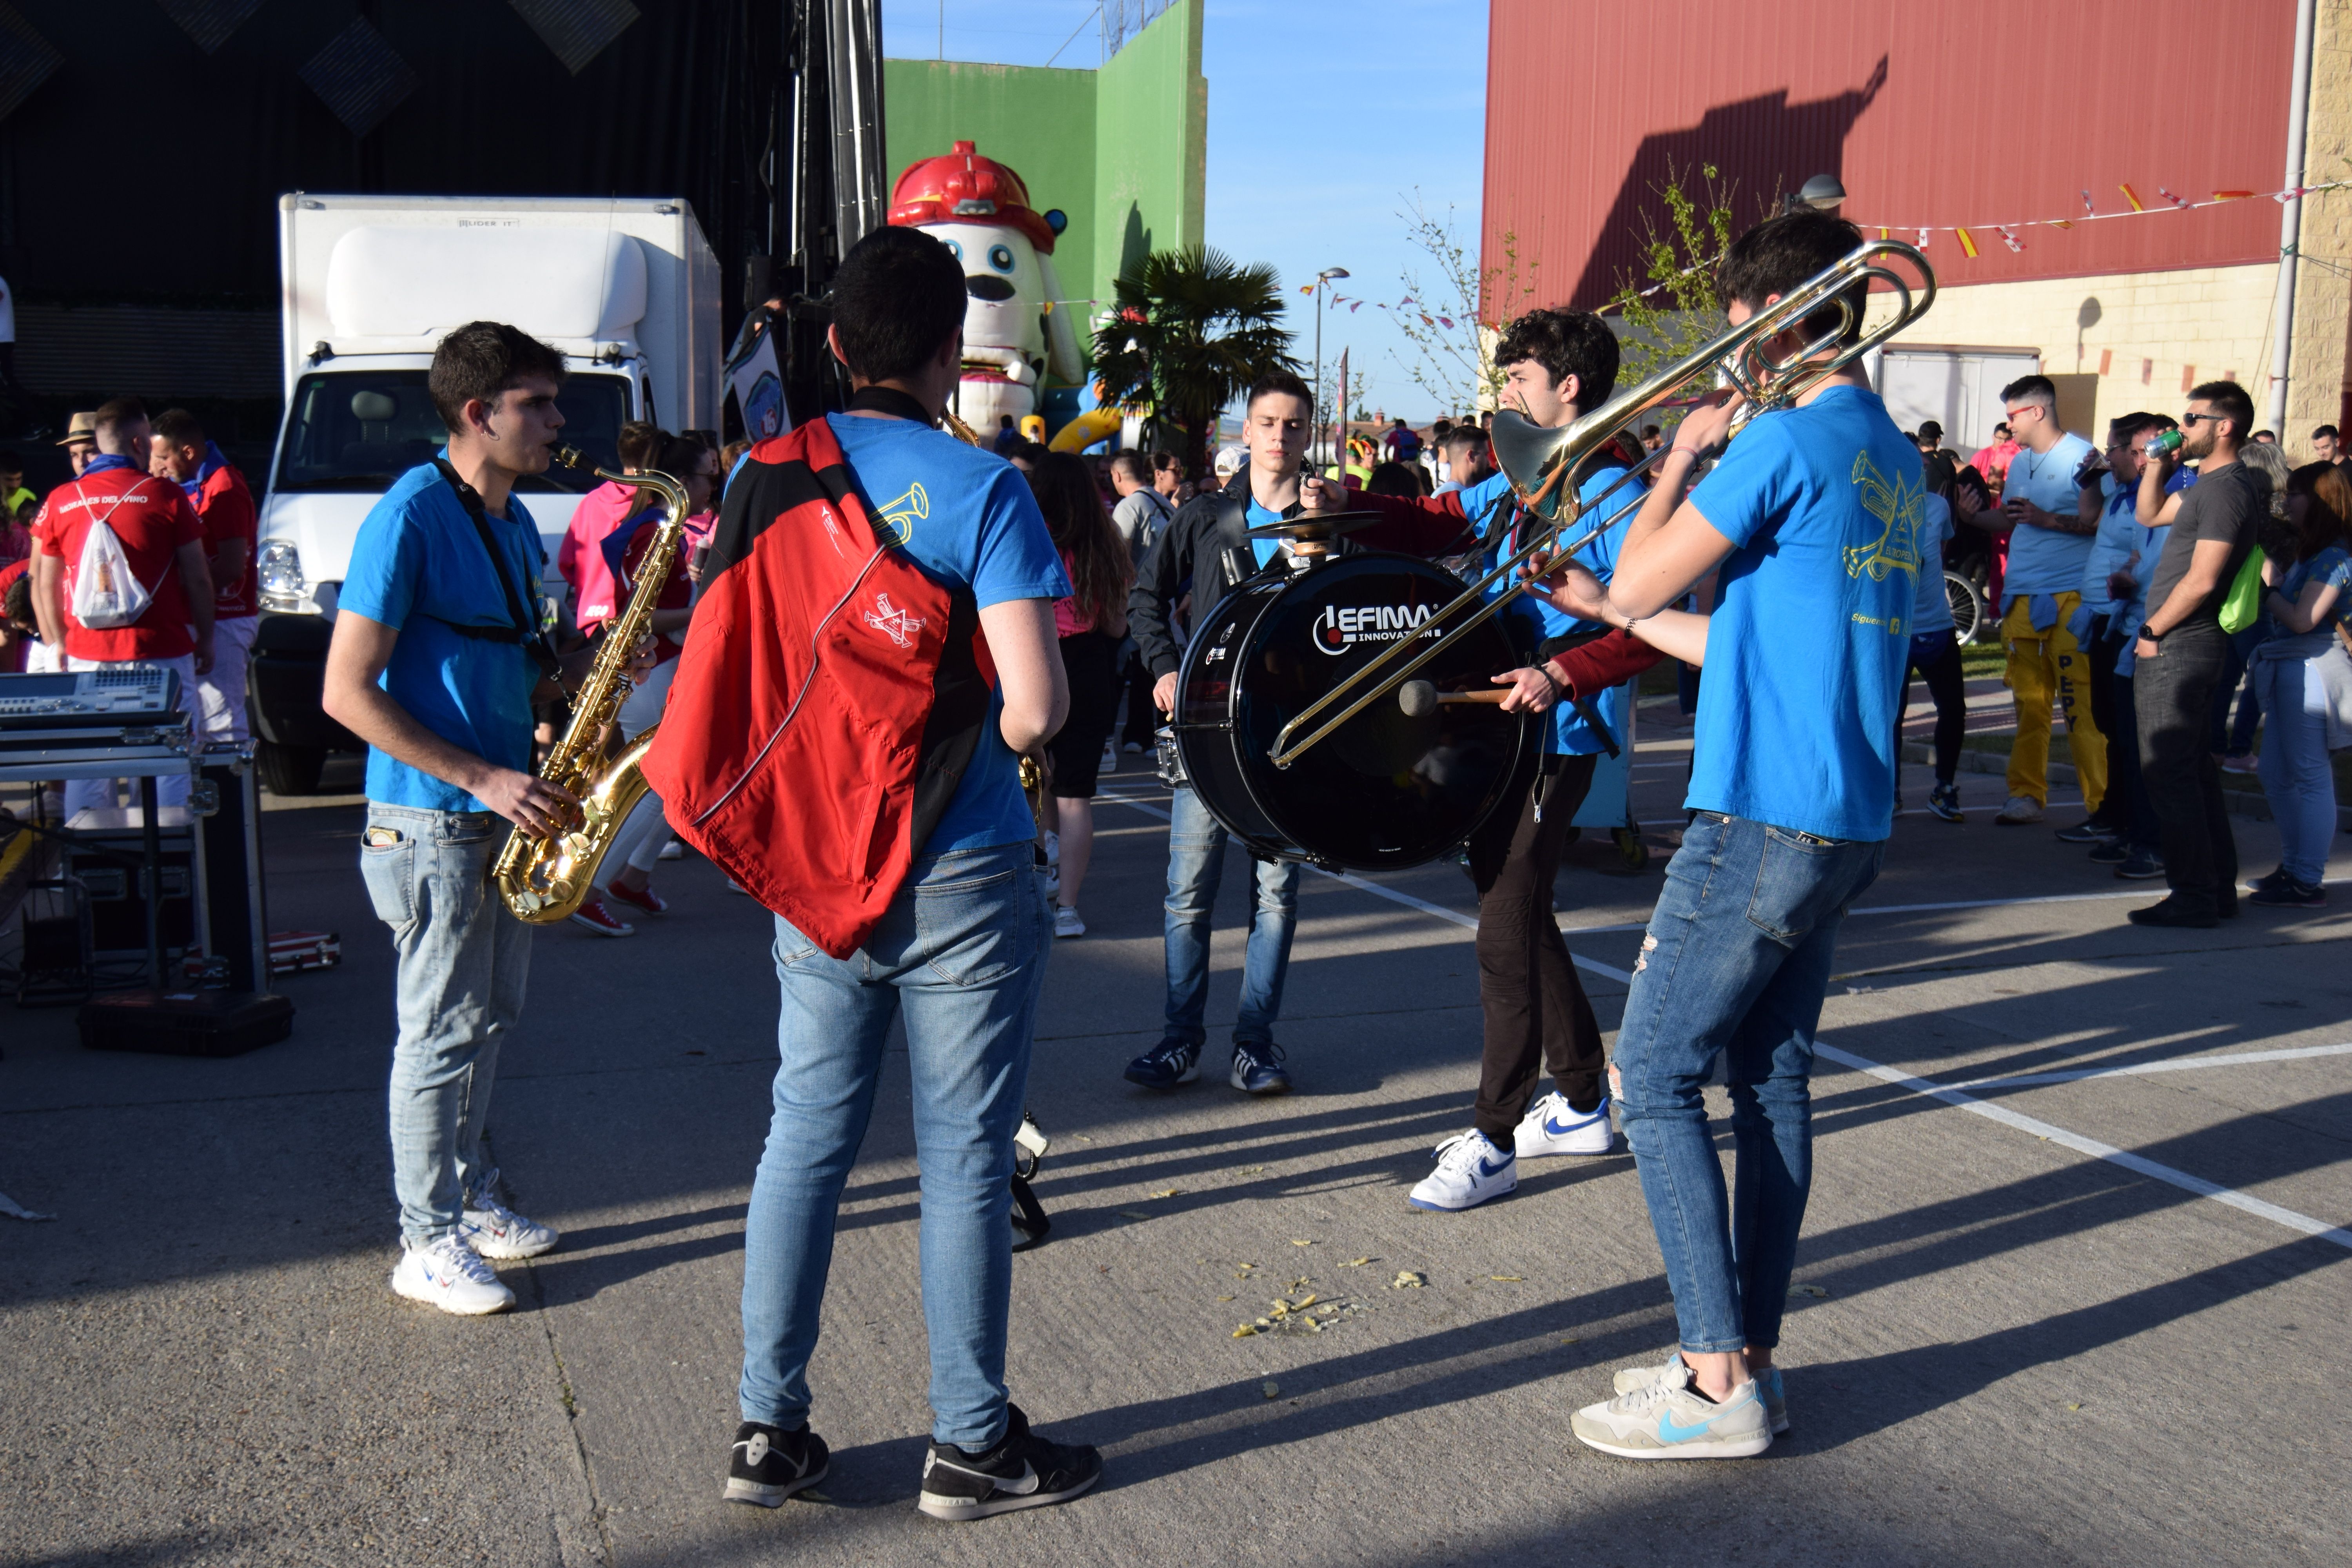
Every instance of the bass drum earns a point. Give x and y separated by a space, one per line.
1384 790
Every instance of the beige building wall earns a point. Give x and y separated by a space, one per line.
2136 340
2319 373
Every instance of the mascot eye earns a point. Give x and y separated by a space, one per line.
954 249
1000 257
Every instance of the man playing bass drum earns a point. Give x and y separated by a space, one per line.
1203 553
1557 364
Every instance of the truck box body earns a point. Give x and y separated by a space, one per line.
628 290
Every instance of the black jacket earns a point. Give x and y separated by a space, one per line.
1205 550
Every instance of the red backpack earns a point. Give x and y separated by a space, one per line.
828 702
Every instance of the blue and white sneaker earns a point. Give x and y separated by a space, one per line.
1665 1419
1550 1126
1768 1388
1170 1062
1259 1069
1470 1169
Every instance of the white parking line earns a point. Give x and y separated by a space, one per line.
2182 1064
2093 1147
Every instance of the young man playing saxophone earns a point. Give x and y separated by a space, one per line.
433 666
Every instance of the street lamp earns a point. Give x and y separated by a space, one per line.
1323 280
1822 193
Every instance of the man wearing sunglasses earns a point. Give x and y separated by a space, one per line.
2182 652
2049 547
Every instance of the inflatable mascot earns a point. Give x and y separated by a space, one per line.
1016 329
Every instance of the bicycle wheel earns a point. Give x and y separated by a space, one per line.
1968 608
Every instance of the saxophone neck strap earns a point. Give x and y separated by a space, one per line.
525 627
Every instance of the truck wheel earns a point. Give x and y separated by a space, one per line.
290 770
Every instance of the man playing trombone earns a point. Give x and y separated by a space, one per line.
1809 525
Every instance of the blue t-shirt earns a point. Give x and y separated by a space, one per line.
1811 626
1931 605
2112 547
2040 560
1267 548
968 519
417 567
2330 565
1604 494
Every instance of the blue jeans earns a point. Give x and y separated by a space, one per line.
1196 860
1736 961
2295 768
460 962
960 947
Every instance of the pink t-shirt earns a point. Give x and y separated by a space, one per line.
581 561
1068 619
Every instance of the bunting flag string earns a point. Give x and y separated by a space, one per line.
2170 203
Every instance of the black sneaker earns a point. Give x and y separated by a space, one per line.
1023 1470
2110 852
2173 911
1944 801
2289 894
770 1463
2277 878
2145 865
2089 831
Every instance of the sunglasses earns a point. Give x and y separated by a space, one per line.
2192 421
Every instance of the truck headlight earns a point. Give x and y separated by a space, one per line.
283 586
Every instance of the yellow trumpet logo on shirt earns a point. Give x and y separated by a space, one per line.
1897 503
895 521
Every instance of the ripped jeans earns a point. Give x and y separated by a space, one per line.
1736 961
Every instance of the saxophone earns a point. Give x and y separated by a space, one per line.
544 880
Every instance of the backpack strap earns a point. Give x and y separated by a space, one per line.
525 629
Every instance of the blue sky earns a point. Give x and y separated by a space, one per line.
1323 120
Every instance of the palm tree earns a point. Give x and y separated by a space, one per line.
1191 329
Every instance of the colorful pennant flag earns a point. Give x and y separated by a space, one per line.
1968 244
2132 197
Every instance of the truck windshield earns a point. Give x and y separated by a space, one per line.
359 430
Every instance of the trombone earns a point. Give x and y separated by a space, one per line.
1540 462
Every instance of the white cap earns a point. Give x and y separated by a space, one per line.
1229 462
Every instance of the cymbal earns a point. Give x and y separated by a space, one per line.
1309 527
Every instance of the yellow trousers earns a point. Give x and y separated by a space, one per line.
2046 666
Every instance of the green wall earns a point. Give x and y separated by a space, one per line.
1122 151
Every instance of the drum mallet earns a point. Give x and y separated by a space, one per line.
1419 697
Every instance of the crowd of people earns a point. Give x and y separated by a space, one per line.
923 666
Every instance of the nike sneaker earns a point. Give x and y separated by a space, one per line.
768 1464
494 1230
1768 1385
1665 1418
451 1276
1170 1062
1259 1069
1470 1171
1944 801
1023 1470
2110 852
1550 1127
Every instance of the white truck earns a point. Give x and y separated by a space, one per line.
626 288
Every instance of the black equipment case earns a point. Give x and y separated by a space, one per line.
185 1022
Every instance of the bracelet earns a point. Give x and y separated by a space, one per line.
1558 688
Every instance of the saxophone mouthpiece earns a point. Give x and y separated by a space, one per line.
571 457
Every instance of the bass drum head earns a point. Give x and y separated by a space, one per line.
1385 789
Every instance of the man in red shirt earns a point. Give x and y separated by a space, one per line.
164 545
180 454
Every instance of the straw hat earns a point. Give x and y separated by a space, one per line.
82 428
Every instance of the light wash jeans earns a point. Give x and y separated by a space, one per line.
960 950
1196 862
1736 961
461 963
2296 774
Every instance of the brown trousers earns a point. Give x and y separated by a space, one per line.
1536 1014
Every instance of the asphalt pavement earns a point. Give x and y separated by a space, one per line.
2072 1287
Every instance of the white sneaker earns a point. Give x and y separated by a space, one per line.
1550 1126
1663 1419
1111 757
1768 1387
1469 1171
1066 922
451 1276
494 1230
2020 809
673 850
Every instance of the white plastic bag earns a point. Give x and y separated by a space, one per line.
106 592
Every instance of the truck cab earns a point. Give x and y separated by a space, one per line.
625 290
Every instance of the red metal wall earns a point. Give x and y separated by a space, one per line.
1930 115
